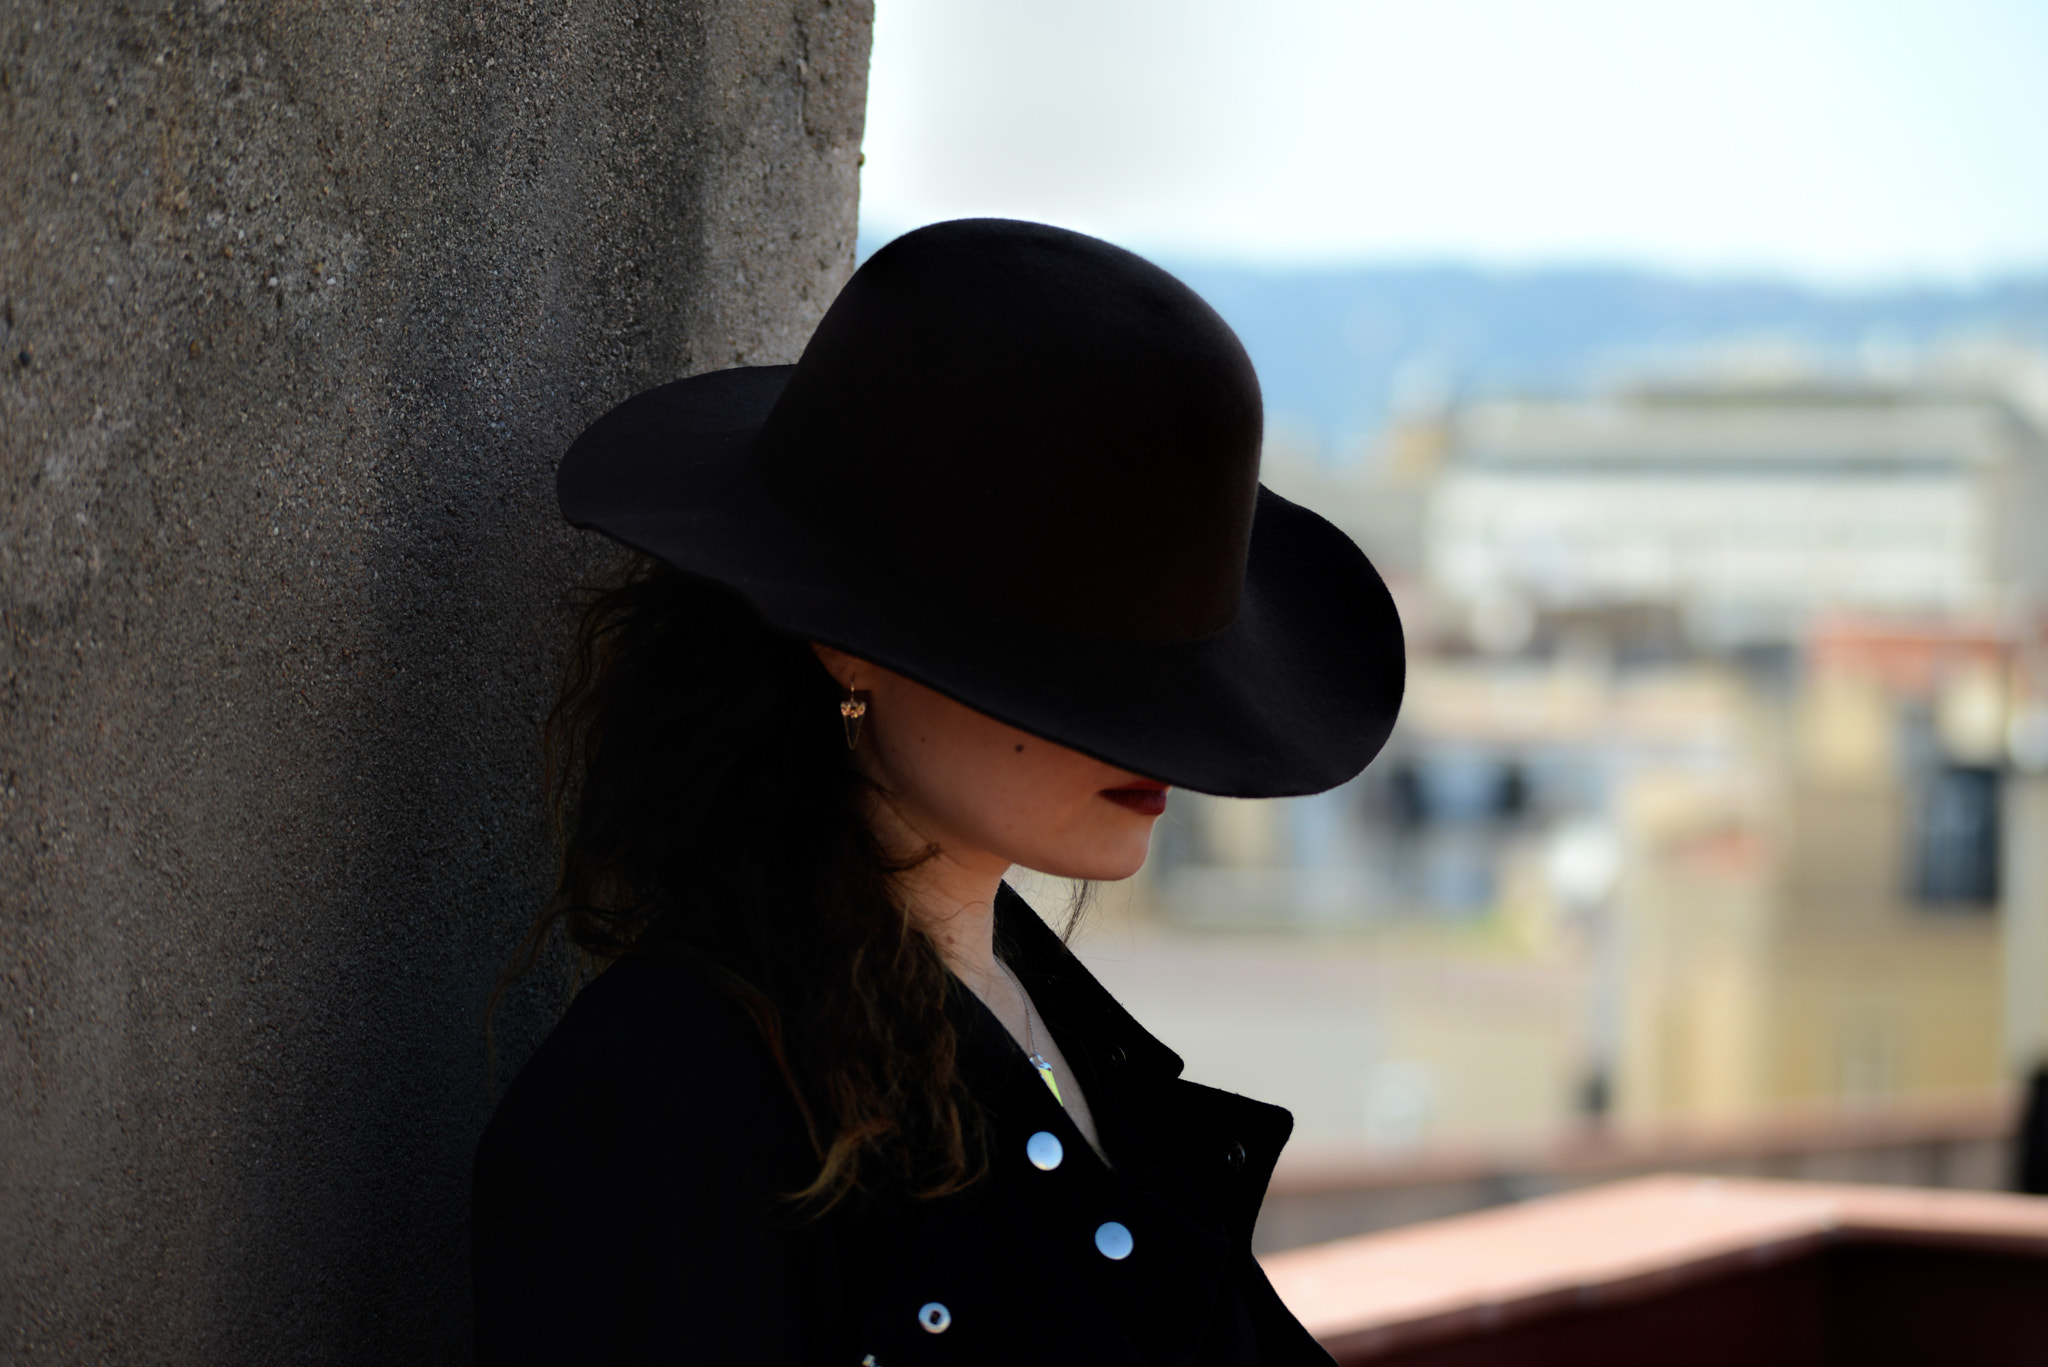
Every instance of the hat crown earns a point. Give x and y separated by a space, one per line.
1030 422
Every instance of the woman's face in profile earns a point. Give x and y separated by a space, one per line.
980 789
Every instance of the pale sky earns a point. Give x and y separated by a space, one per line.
1836 141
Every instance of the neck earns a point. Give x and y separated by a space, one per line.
951 896
956 906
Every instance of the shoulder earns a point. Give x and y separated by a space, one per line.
643 1005
641 1161
655 1051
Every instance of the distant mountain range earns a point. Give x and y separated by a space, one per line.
1339 349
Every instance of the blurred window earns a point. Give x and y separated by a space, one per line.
1957 840
1457 788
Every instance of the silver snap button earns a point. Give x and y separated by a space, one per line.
1044 1150
1113 1241
935 1318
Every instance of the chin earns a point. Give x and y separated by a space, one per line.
1097 866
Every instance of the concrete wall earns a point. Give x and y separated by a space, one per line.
301 303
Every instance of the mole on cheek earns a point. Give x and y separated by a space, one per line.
1020 749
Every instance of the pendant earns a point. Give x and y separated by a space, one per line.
1045 1072
850 712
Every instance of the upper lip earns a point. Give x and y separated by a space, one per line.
1139 785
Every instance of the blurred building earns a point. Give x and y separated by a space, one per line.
1740 515
1722 692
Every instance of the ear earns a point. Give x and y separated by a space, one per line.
844 668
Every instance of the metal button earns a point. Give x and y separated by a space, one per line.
1233 1157
1113 1241
935 1318
1118 1057
1044 1150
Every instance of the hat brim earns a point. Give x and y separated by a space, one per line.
1295 696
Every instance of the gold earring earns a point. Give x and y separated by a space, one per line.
851 710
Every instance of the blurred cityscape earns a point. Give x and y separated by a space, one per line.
1715 804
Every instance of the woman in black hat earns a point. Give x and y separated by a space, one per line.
969 586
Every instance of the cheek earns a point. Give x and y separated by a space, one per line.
1049 802
1050 780
973 774
984 786
1009 802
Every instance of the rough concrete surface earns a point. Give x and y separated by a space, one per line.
299 303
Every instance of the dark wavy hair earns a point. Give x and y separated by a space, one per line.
705 803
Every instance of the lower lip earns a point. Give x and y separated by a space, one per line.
1143 801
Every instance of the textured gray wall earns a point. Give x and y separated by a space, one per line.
301 303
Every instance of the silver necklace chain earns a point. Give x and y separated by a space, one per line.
1038 1060
1030 1036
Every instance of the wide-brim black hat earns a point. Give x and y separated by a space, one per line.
1020 465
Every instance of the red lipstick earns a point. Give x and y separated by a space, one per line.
1144 797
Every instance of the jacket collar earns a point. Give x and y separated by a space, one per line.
1074 1004
1163 1300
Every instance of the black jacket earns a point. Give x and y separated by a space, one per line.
626 1200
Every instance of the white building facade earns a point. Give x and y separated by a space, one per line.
1748 513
